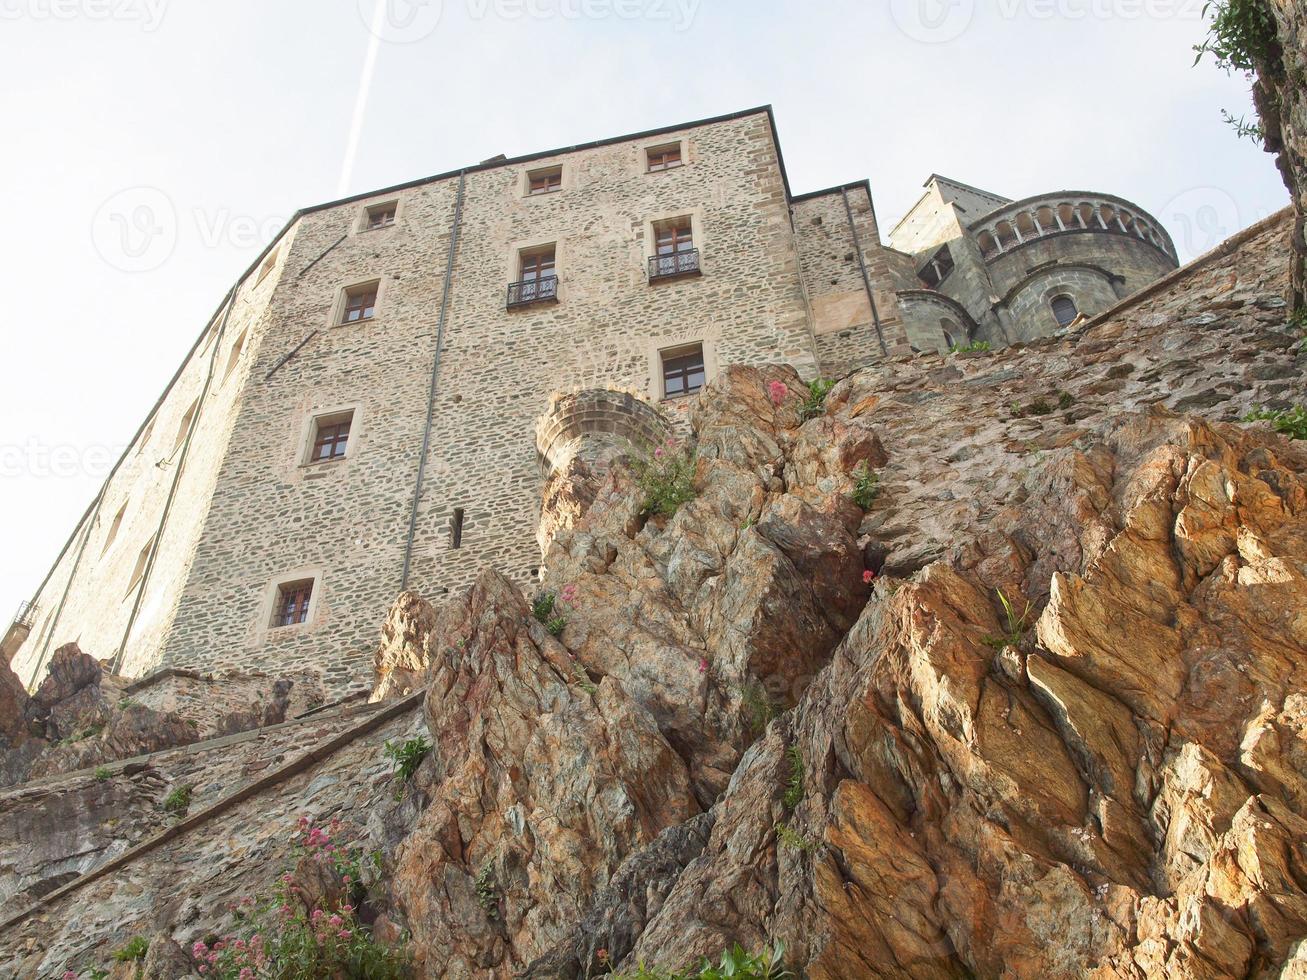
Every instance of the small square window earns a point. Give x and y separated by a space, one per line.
663 157
292 605
544 181
381 215
360 303
683 370
330 437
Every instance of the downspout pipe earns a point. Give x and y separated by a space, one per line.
433 389
176 479
862 264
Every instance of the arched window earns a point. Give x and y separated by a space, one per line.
951 332
1064 308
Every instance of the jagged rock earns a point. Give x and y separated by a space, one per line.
538 785
400 663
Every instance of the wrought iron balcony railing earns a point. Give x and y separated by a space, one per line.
542 290
673 264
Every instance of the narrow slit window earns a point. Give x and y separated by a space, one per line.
234 357
142 560
269 264
184 427
113 530
456 528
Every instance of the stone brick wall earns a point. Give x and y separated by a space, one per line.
250 512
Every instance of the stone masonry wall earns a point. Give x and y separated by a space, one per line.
345 523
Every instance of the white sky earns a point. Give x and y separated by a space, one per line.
230 115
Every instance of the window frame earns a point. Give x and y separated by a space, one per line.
344 293
293 590
270 604
1075 308
328 415
268 265
683 352
663 149
363 224
550 173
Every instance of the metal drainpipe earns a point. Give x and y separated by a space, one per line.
435 376
866 279
176 478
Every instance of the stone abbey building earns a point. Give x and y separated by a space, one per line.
382 399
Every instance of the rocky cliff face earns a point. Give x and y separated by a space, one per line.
989 665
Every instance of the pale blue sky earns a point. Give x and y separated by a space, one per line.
234 114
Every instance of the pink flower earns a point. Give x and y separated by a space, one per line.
199 948
703 665
658 453
203 968
336 921
343 934
318 914
601 955
868 576
247 974
69 975
569 593
777 390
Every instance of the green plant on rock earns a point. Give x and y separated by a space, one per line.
794 786
975 347
793 839
179 800
1291 422
1015 623
736 964
103 774
1039 407
1065 400
666 478
583 679
866 486
488 891
1240 35
405 757
815 404
759 709
543 609
135 949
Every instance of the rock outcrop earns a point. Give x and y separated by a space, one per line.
988 665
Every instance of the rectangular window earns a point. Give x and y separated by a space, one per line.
456 529
674 251
292 603
330 437
663 157
683 370
537 278
360 303
544 181
382 215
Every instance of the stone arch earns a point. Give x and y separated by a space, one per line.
578 437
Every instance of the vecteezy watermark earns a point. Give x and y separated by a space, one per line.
941 21
1200 219
137 229
147 13
406 21
37 459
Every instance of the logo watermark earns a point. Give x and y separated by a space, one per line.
137 229
1200 218
407 21
62 462
147 13
942 21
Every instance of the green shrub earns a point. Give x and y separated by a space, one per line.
542 608
759 709
866 486
179 800
1065 400
1240 35
666 479
815 404
794 787
102 774
488 891
975 347
135 949
583 679
736 964
1039 407
405 757
1291 422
